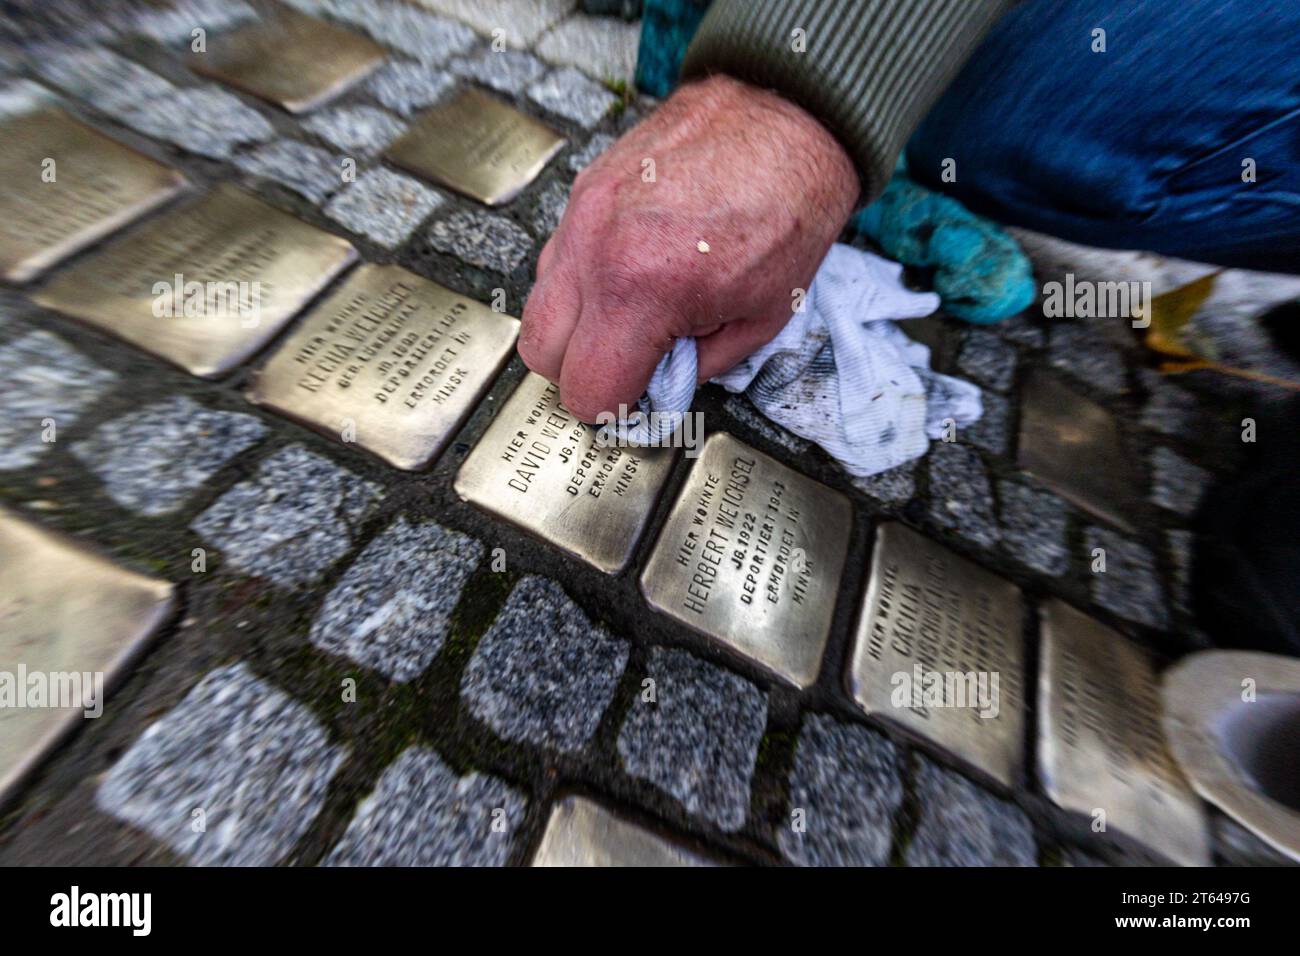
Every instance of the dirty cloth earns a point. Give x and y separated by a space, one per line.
979 271
841 373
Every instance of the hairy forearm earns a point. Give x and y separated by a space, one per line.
868 70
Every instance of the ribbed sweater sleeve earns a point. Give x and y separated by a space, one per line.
869 69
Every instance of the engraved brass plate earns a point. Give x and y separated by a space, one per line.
1232 719
539 467
204 286
1073 444
66 615
939 651
1100 745
98 185
292 60
477 145
581 832
751 555
389 360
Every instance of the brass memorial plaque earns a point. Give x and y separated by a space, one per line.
1073 445
292 60
67 186
204 286
580 832
939 651
477 145
751 555
71 623
1231 719
1101 752
391 361
540 467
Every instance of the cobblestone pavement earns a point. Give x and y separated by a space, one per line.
399 678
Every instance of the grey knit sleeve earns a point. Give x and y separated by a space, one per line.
867 69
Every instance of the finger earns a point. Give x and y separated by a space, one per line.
545 258
735 342
550 316
610 359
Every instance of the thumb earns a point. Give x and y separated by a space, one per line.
736 341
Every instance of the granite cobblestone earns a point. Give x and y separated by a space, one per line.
422 814
543 673
569 93
506 71
661 741
357 130
152 460
391 610
384 205
961 497
484 239
1129 586
407 88
256 785
845 790
49 384
290 522
962 825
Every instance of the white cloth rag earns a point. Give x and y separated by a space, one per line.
840 373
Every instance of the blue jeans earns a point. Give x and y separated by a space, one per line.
1143 146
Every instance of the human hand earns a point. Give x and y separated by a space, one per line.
709 220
